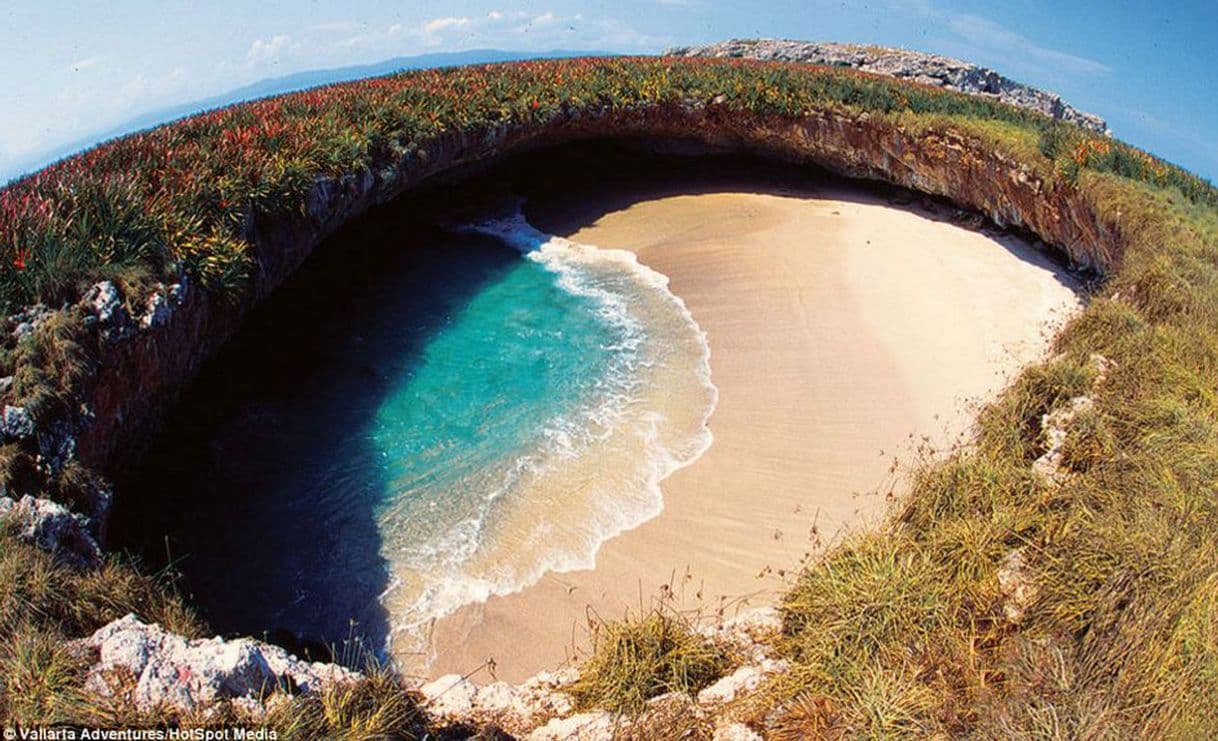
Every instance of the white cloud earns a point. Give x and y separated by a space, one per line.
613 35
336 27
144 88
83 64
994 36
505 29
437 25
263 52
976 38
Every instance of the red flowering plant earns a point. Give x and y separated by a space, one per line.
178 196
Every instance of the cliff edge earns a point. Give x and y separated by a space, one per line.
928 69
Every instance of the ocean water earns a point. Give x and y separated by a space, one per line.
456 427
539 425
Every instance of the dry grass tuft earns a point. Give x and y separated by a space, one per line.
635 660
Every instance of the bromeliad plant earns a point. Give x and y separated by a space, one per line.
177 197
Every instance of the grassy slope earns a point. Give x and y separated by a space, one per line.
898 631
904 630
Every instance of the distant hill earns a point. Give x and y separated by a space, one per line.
284 84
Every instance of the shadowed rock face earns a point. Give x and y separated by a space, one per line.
928 69
50 526
142 360
143 348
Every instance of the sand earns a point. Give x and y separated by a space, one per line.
844 332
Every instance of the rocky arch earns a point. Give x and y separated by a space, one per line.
143 358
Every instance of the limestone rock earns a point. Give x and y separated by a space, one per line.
515 708
450 696
748 633
1055 427
744 679
735 732
1018 589
106 305
105 301
542 695
740 682
51 527
927 69
555 679
18 424
28 319
166 670
498 698
592 726
156 312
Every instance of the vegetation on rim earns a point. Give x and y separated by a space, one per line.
902 631
179 196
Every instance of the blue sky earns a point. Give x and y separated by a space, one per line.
76 68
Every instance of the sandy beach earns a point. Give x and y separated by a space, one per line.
844 331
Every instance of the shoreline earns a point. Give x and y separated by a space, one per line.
602 478
852 377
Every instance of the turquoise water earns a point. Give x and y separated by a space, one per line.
395 440
509 365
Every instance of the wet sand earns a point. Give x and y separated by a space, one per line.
844 332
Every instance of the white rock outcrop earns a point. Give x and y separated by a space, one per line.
163 670
513 707
450 696
17 423
597 725
1055 426
749 634
50 526
735 732
1018 588
928 69
745 679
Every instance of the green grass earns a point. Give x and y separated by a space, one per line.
901 632
180 197
44 603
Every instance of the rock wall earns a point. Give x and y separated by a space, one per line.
146 354
928 69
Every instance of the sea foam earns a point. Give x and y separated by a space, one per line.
592 471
